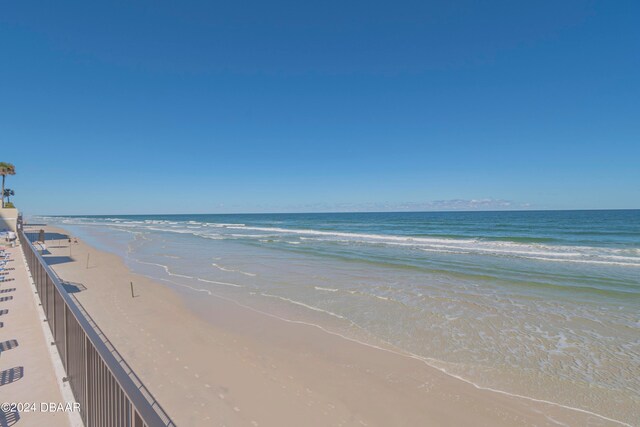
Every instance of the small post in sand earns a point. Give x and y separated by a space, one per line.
132 295
88 260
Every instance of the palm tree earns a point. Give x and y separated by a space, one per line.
9 193
6 169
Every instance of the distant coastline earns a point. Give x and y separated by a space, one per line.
334 212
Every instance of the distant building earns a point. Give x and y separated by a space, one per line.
9 219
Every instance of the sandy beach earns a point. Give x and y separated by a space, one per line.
210 361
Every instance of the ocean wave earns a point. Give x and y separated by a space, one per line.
221 225
362 236
538 251
319 288
170 230
231 270
199 279
165 268
210 236
589 261
216 282
584 254
310 307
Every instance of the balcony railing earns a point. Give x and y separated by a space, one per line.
109 392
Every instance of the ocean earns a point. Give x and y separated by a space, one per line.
542 304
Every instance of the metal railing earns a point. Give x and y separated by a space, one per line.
109 393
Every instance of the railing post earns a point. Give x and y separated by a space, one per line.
54 314
66 339
87 381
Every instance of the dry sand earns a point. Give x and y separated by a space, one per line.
216 363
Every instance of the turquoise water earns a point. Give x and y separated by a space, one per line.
540 304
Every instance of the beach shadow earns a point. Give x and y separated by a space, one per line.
51 236
8 345
4 291
3 299
3 311
53 260
73 288
8 419
12 375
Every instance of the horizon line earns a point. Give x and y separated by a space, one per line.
344 212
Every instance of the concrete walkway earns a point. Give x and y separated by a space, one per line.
27 373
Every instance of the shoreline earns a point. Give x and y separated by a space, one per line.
374 396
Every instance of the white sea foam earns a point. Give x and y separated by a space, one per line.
310 307
170 273
207 291
343 234
165 268
535 251
221 225
557 253
319 288
210 236
589 261
231 270
171 230
215 282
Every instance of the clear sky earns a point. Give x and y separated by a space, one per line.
197 107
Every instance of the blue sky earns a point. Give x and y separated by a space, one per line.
179 107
